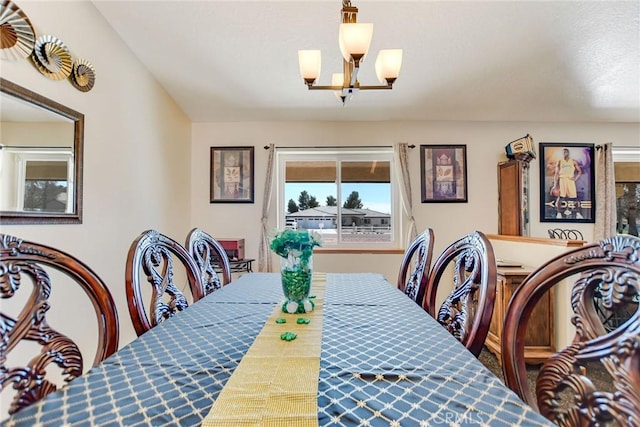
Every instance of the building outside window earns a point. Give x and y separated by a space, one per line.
348 195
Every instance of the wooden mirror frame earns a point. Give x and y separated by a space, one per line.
75 217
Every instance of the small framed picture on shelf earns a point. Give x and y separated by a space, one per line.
443 173
232 178
567 182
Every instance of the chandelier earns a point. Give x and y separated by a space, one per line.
354 39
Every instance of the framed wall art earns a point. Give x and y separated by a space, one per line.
567 182
232 179
443 173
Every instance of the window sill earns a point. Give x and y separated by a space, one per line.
358 251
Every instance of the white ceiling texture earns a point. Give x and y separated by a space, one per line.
463 60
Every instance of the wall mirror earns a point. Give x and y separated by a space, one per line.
41 147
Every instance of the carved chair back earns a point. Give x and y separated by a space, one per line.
596 379
416 264
152 253
210 256
21 263
466 312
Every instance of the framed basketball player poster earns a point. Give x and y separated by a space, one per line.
567 182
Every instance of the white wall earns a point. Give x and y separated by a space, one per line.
37 134
136 153
485 148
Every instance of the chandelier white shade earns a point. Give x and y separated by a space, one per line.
309 61
388 64
354 40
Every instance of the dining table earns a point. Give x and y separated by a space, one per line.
383 361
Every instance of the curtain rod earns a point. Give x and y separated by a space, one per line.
266 147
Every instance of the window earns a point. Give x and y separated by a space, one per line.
45 186
627 174
348 195
37 180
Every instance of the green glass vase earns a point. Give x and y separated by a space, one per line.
296 272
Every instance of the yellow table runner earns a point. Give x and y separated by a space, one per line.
276 382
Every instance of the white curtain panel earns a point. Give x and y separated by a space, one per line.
264 255
401 155
605 193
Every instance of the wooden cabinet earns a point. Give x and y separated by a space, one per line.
539 337
513 198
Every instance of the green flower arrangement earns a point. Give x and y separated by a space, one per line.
295 248
295 242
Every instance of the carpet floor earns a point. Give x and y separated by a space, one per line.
489 360
595 371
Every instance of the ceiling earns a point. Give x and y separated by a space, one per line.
463 60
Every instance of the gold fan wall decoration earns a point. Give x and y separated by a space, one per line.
48 54
51 57
17 36
83 75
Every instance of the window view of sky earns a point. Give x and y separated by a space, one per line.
374 196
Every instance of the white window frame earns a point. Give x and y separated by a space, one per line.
338 155
628 154
23 155
625 154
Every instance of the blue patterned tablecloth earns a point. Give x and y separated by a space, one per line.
385 362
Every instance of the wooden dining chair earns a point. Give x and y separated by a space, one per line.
210 257
595 380
153 253
417 261
20 259
466 312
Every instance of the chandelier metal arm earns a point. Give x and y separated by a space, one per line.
350 73
349 13
318 87
358 86
387 86
355 88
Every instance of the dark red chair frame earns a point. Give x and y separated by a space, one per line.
610 270
421 251
474 290
209 256
150 250
23 258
